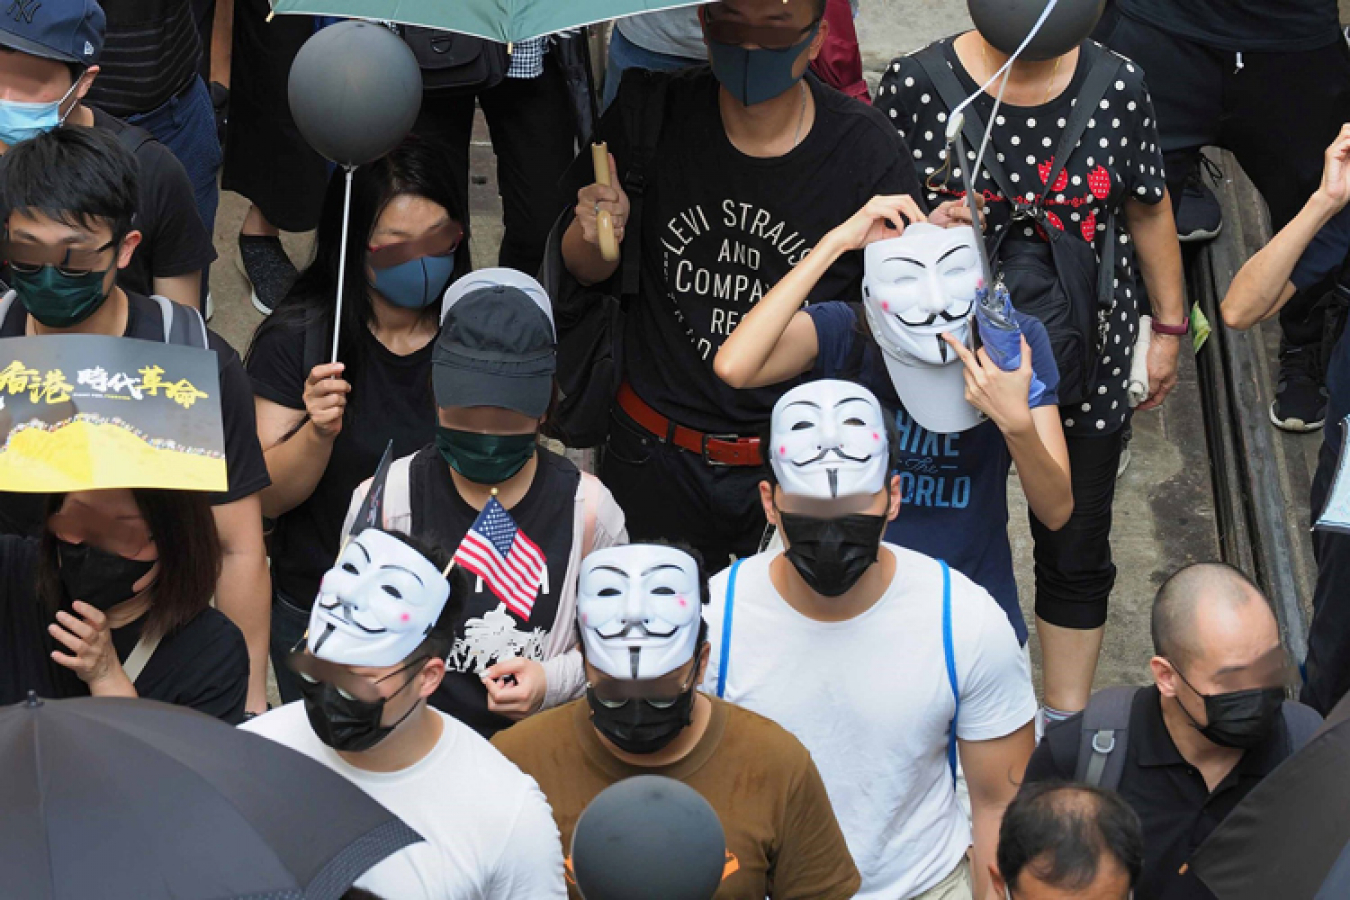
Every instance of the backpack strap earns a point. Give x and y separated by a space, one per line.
727 608
183 325
6 307
1105 737
644 112
133 137
140 655
949 654
1301 722
1105 65
397 507
590 510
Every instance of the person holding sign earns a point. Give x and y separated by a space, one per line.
323 424
70 195
646 651
114 600
754 162
532 514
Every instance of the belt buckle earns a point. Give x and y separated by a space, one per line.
724 438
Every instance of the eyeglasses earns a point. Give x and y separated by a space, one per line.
770 37
28 258
443 240
662 693
347 683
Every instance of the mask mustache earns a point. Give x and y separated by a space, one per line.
932 319
836 451
640 630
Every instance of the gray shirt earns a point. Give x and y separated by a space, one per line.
675 32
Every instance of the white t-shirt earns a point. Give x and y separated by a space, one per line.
870 699
488 830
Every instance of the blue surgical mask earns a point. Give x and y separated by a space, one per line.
753 76
417 283
20 121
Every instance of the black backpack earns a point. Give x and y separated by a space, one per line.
1059 281
1106 734
455 64
590 320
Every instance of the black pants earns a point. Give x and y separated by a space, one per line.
1074 571
533 129
668 493
289 624
266 159
1276 112
1327 670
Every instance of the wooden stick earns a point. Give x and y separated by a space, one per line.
609 247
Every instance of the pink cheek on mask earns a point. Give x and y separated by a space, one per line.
885 306
683 602
406 617
782 451
875 436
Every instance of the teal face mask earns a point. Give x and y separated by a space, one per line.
484 458
57 299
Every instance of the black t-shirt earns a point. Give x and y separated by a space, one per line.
488 631
202 665
1253 26
151 52
1117 159
247 470
1176 807
176 242
391 398
721 228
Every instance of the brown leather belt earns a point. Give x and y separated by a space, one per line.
716 449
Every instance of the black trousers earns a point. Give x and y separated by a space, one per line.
1074 571
1276 112
670 494
533 129
1327 669
266 159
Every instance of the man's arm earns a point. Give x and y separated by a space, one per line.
182 289
994 771
244 589
1262 286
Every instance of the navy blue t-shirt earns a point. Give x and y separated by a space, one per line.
1327 253
954 487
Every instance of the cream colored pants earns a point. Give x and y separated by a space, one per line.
956 886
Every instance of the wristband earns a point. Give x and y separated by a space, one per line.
1174 330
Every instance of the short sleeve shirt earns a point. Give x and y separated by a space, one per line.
720 228
1118 158
954 487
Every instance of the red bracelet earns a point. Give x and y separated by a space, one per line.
1174 330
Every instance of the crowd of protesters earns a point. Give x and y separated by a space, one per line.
788 582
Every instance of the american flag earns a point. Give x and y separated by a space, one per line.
511 564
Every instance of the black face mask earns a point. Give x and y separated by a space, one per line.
639 727
345 723
832 554
1239 720
97 577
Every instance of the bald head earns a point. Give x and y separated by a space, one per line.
1208 604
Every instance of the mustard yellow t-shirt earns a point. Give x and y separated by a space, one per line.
782 838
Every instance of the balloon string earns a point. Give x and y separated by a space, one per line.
342 261
954 120
988 130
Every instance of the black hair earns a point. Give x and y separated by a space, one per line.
441 636
356 893
1062 833
184 532
80 177
418 167
1173 617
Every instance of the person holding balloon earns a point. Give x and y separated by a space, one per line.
1055 218
324 424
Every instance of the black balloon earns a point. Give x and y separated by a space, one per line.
355 90
649 837
1006 23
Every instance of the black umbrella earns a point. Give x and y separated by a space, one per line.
1289 837
119 798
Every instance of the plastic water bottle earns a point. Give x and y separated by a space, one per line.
1001 335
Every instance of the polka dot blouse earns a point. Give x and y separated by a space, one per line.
1117 158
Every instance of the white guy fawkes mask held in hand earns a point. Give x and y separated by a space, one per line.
639 607
916 288
829 441
377 603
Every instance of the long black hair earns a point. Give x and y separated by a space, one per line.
416 166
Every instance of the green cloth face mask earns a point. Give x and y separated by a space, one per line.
56 299
484 458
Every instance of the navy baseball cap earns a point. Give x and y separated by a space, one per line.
69 31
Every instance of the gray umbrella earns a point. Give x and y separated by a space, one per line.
121 798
